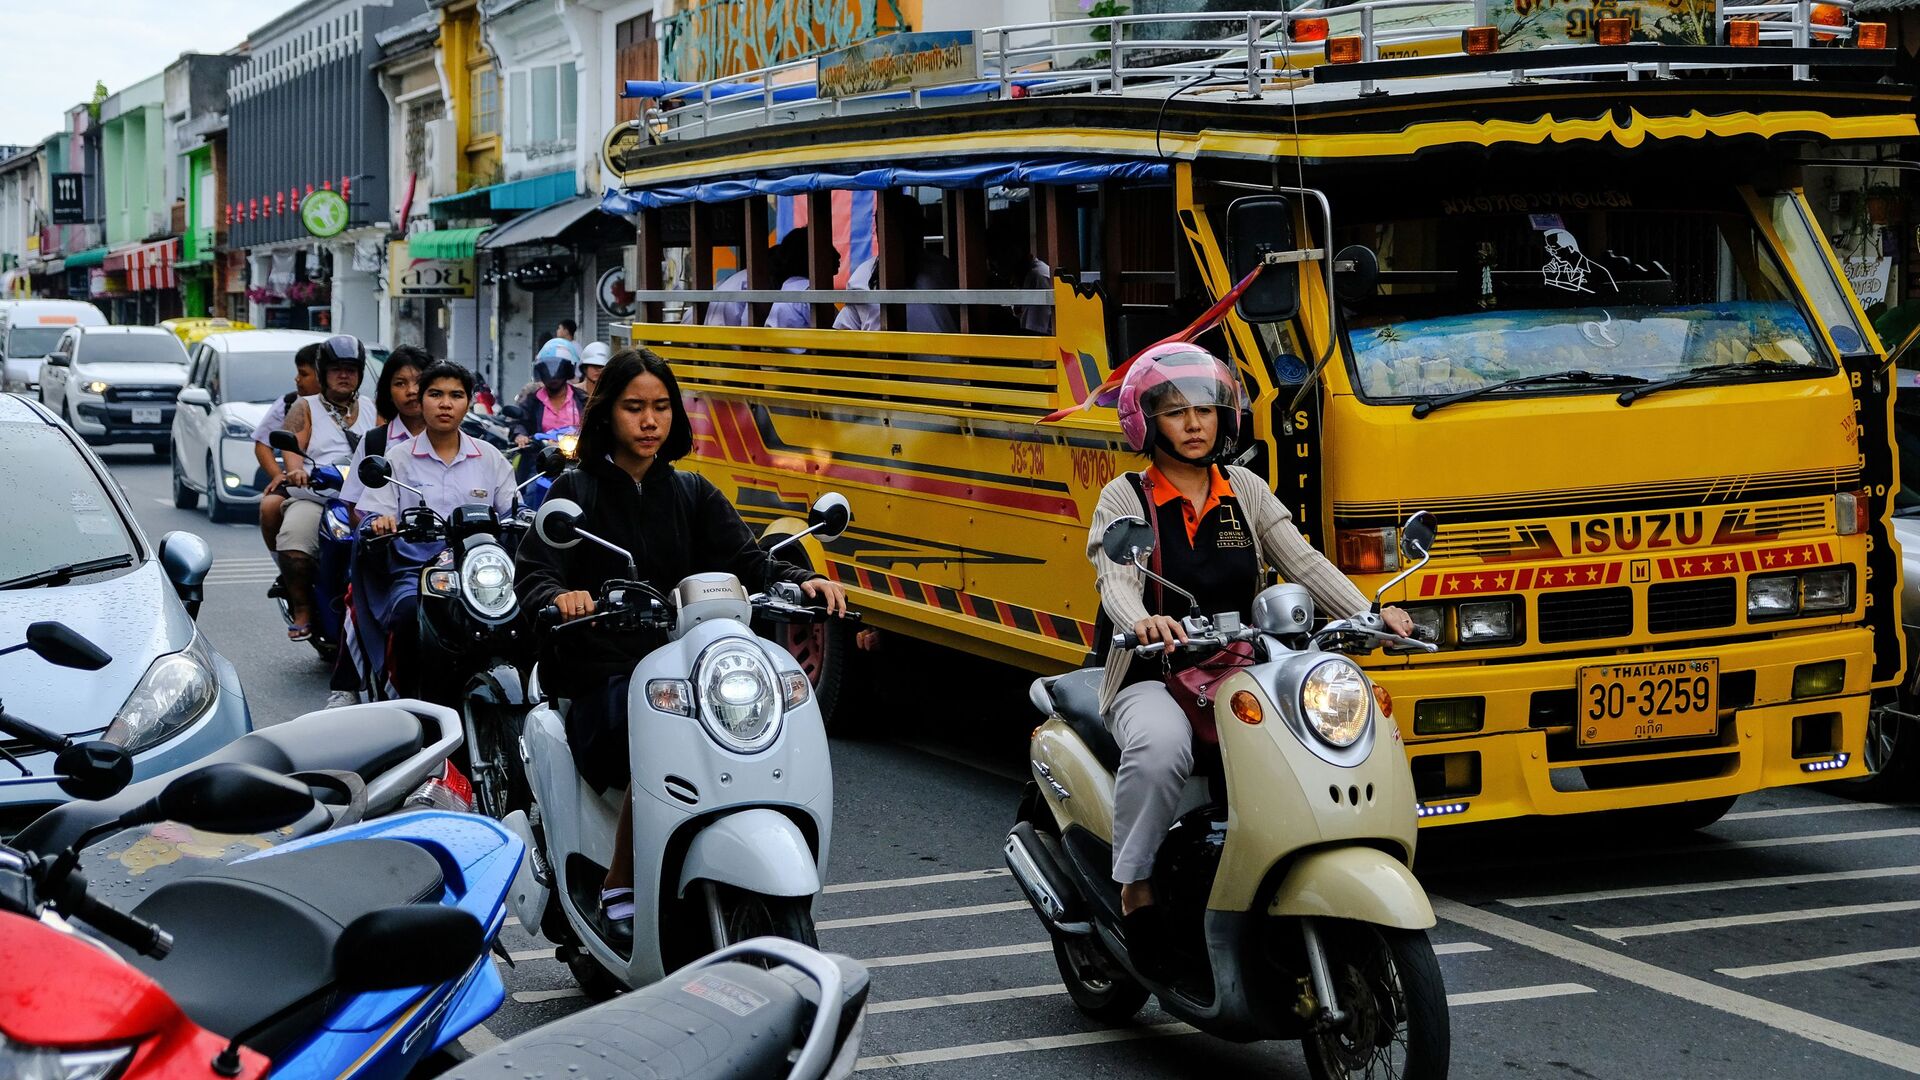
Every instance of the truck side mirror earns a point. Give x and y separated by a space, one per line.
1256 226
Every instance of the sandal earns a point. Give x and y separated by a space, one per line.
298 631
616 905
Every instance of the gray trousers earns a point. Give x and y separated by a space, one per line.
1156 756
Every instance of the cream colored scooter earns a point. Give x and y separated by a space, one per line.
1286 878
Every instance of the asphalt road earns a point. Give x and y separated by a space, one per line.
1784 941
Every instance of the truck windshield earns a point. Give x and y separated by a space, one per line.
1479 290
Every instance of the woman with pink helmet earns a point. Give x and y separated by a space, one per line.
1219 528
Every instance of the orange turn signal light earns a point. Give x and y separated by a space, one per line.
1827 15
1343 50
1870 35
1480 40
1308 29
1246 707
1614 31
1383 699
1743 33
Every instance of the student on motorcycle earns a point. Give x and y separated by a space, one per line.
397 404
675 523
1218 527
306 382
450 469
329 425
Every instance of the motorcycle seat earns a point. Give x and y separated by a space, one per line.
365 739
711 1023
254 937
1076 698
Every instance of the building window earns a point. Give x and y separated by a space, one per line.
485 88
546 107
636 56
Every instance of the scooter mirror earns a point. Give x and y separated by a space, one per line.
284 441
375 472
94 770
558 523
1127 540
227 797
407 945
1416 536
552 462
513 412
61 645
830 516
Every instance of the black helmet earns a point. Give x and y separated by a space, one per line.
342 350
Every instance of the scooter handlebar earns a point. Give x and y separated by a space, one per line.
135 932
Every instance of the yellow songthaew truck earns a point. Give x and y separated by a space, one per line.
1543 270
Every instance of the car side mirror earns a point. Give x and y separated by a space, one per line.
197 396
406 945
61 645
829 517
186 559
551 462
284 441
1256 226
1127 540
1417 536
227 797
59 360
558 523
375 472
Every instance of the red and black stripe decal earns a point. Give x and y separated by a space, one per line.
999 612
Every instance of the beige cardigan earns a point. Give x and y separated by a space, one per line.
1276 543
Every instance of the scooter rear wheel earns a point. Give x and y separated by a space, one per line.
1096 985
1388 984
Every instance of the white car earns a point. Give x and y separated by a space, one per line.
233 380
115 384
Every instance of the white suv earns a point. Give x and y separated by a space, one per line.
115 384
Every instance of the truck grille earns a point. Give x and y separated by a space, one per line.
142 393
1586 614
1691 605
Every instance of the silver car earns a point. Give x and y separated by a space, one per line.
233 380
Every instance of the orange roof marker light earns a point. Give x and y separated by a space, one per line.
1480 40
1343 50
1614 31
1743 33
1304 30
1870 35
1827 15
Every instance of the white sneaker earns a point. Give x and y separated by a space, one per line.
339 698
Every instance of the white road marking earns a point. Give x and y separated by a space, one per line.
908 882
1020 1046
1800 811
922 916
1517 993
479 1040
531 954
989 952
1455 948
1712 886
1763 918
943 1000
535 997
1821 963
1819 1029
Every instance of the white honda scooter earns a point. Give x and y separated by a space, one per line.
732 785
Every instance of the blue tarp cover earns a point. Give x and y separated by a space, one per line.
972 174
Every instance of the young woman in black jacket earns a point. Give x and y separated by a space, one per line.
675 524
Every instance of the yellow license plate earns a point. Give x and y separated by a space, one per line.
1645 700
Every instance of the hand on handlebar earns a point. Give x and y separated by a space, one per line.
1159 629
574 605
296 475
831 593
1398 621
382 525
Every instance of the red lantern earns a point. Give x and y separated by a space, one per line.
279 202
309 189
328 184
346 187
293 198
253 209
227 214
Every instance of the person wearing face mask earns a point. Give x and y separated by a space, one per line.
675 523
552 402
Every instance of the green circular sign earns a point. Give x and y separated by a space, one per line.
324 213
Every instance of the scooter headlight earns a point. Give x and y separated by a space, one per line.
739 697
1337 701
486 579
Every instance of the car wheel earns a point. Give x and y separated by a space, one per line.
219 511
184 497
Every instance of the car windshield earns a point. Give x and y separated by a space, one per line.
256 376
33 342
57 512
162 348
1478 290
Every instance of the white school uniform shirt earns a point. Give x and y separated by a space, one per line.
729 312
477 474
1034 318
790 315
859 316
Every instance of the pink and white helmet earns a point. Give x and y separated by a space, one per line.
1174 376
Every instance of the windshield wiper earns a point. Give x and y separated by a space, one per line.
1574 378
1713 371
60 575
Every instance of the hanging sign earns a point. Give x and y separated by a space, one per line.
1536 24
898 62
69 198
615 298
408 276
1868 277
324 213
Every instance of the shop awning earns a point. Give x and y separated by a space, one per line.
531 193
147 266
541 225
445 243
969 174
81 260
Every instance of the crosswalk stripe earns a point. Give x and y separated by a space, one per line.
534 997
1455 948
922 916
989 952
908 882
1516 993
1801 811
943 1000
1821 963
1681 926
1020 1046
1683 888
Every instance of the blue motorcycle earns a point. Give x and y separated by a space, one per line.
334 564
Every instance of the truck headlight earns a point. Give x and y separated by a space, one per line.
1487 622
97 387
486 578
1336 700
1429 623
1827 590
177 690
1776 596
739 699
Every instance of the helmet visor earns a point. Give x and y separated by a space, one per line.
1195 387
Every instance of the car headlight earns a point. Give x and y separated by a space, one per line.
177 689
1336 700
97 387
1487 622
1774 597
1827 590
738 697
234 429
22 1062
486 578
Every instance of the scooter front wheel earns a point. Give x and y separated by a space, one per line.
736 915
1394 1004
1098 987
